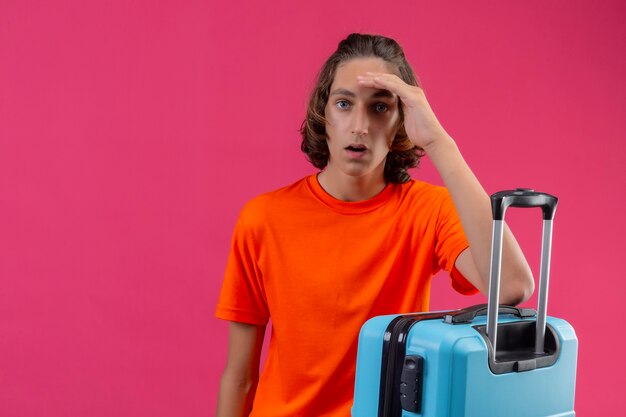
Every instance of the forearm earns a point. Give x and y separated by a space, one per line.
241 375
474 208
235 396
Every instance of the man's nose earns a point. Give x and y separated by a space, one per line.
360 122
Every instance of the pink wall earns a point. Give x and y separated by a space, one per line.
132 132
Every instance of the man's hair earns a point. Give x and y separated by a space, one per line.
403 153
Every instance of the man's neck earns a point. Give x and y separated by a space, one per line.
348 188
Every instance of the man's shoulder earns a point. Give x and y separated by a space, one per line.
424 190
276 201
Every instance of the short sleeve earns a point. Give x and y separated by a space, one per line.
450 242
242 298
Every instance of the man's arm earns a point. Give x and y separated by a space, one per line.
474 208
470 199
241 375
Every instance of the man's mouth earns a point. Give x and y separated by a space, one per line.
356 148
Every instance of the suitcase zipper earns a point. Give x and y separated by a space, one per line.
394 350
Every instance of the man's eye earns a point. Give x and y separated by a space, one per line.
381 108
342 104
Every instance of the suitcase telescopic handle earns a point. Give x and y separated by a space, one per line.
525 198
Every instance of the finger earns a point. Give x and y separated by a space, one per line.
382 82
381 76
384 78
388 77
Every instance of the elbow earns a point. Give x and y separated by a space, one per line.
236 395
519 288
243 384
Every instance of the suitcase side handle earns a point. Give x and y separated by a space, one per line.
524 198
468 314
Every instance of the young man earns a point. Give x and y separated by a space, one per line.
357 240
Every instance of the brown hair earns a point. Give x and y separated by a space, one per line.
403 153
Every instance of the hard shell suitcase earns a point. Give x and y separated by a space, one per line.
445 364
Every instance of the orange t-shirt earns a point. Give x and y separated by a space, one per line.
321 267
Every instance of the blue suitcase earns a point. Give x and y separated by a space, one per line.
445 364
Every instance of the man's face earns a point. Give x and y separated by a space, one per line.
361 121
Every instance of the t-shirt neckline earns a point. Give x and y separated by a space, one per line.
349 207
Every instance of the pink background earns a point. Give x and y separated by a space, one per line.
132 132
